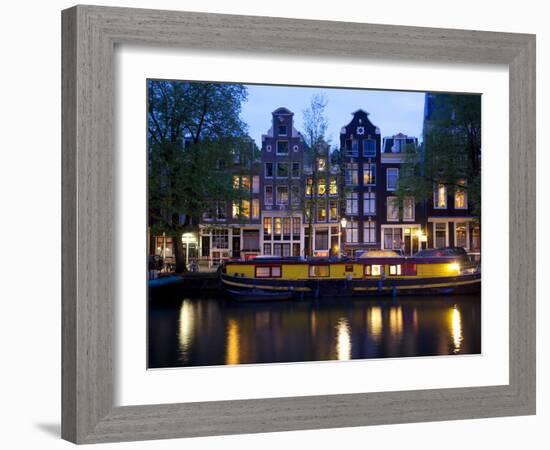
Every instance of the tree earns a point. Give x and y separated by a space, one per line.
193 130
315 127
450 154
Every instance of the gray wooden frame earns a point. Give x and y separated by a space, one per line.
89 36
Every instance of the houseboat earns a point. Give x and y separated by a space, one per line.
376 273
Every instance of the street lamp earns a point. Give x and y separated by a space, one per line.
343 223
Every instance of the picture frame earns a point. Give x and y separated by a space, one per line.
89 37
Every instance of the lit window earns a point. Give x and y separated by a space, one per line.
277 226
461 196
322 212
372 270
309 186
236 210
395 269
255 208
246 182
392 174
321 164
263 272
322 187
369 174
236 182
267 228
333 210
245 210
440 197
333 187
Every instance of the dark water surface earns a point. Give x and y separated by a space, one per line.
218 331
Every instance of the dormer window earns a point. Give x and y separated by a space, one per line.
281 130
398 145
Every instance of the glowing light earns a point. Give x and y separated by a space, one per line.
186 327
454 267
456 329
375 322
343 340
396 321
232 355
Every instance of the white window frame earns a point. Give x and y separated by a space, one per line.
465 192
396 170
413 208
268 201
446 233
277 194
277 152
365 227
372 169
265 170
369 201
467 248
392 199
364 152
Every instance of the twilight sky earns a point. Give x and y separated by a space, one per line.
391 111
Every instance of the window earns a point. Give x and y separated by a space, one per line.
398 145
369 232
322 187
373 270
352 235
369 174
369 147
235 210
269 170
309 186
369 203
245 182
282 195
393 237
282 147
267 249
351 203
322 212
255 208
286 229
352 174
319 271
392 213
267 229
220 164
236 182
256 184
268 196
440 235
268 271
295 170
282 170
281 130
295 249
333 210
286 249
221 208
461 196
321 164
278 249
332 187
395 269
392 174
408 209
296 227
277 225
440 197
251 240
321 239
461 233
295 194
220 238
245 209
351 147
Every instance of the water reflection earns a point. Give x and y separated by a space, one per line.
185 329
343 340
456 329
199 332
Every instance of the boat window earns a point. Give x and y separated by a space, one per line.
263 272
395 269
268 271
319 271
349 268
373 270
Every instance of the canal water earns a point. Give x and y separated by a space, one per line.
217 331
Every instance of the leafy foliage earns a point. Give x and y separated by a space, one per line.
450 153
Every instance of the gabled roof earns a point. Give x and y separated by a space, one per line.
283 110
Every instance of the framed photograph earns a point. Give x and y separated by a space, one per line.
267 230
